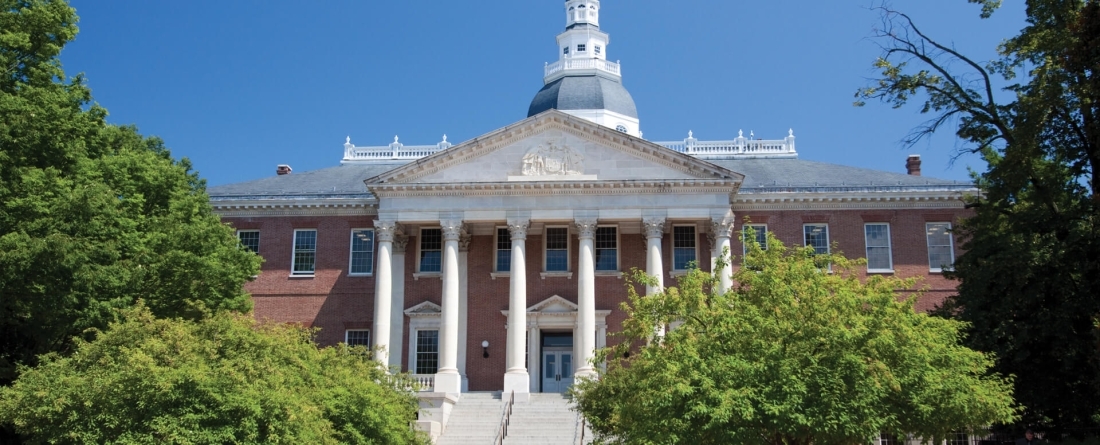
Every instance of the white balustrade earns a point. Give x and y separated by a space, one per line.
426 382
561 66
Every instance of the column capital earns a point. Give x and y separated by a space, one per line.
452 229
386 230
721 227
464 240
586 227
654 227
518 228
400 242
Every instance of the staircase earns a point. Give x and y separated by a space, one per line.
545 420
474 420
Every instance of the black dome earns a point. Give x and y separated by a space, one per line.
584 93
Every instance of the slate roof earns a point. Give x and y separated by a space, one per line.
583 93
761 176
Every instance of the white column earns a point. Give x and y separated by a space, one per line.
516 377
722 227
447 379
463 306
654 231
533 349
383 290
586 297
397 312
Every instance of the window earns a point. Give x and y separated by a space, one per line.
427 352
431 250
362 251
607 248
504 250
597 49
816 236
557 249
761 236
565 50
683 247
941 253
357 337
878 247
580 48
250 239
304 259
621 128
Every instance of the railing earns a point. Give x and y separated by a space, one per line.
425 381
505 420
739 147
582 64
395 151
583 423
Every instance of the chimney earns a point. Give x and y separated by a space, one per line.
284 169
912 165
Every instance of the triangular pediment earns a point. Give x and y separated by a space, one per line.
555 147
425 309
555 304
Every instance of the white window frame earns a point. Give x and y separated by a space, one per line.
497 249
582 48
347 333
618 250
565 50
351 252
414 354
596 49
672 260
568 250
757 227
256 231
828 241
950 246
420 251
889 248
294 254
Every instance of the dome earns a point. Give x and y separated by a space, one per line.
584 93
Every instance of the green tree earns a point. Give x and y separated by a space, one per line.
795 353
222 379
93 216
1030 275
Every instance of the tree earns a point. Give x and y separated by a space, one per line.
1030 275
800 351
223 379
93 216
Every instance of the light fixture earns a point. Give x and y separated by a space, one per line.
485 348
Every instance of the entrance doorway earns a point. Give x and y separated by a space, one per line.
557 362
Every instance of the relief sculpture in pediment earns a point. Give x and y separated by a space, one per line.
551 159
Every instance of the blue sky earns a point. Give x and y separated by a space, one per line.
241 86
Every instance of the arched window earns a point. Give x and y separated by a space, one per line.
621 128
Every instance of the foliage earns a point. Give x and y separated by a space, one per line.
224 379
1030 274
92 216
793 354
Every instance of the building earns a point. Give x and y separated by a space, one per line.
497 263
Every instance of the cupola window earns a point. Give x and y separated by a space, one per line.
597 48
565 50
580 48
621 128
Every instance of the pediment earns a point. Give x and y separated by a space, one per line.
425 309
555 147
554 304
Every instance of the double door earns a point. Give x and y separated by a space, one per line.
557 369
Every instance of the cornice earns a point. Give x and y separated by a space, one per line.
830 201
237 208
553 119
695 186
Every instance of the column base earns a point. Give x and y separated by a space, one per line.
448 382
520 382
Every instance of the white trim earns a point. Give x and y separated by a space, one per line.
928 244
426 316
346 331
568 253
744 245
294 252
828 240
351 252
257 231
496 251
672 251
889 248
618 251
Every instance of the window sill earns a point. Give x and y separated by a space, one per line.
566 275
880 271
939 271
496 275
609 273
361 275
678 273
417 276
301 275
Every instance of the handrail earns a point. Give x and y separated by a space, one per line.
505 420
581 442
